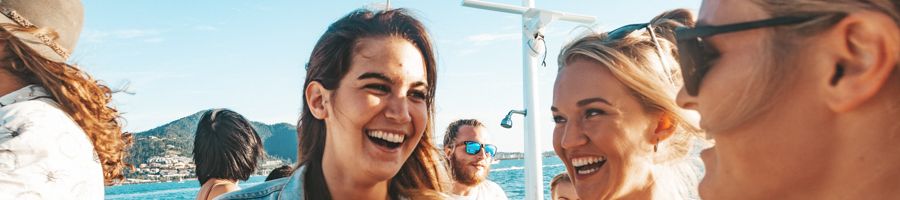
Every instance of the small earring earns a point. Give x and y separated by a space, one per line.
655 145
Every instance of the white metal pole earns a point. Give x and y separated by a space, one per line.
533 22
534 184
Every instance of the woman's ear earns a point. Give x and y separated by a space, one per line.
317 97
665 127
866 45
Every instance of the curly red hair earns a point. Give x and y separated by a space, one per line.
82 97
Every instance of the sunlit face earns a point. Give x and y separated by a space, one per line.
470 169
378 113
739 54
778 141
602 134
565 191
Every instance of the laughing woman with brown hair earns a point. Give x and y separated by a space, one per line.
366 129
59 138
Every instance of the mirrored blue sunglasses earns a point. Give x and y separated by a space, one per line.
473 148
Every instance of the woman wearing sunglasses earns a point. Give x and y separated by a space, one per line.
366 126
801 97
618 129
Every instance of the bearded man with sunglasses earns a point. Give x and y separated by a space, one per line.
801 96
469 155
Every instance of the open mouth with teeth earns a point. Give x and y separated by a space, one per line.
386 139
588 165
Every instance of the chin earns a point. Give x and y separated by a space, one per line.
588 192
383 172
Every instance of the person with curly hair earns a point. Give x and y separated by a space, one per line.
59 138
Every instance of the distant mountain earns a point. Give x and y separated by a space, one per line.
177 137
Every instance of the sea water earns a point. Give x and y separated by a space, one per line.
509 174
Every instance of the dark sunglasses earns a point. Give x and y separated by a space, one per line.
472 148
694 54
621 32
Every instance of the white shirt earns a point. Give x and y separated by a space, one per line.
44 154
486 190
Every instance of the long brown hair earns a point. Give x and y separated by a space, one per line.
84 99
329 63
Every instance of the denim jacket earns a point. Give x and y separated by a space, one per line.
287 188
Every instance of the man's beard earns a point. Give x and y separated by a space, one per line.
466 177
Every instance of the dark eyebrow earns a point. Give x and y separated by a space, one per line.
584 102
420 83
587 101
384 78
374 75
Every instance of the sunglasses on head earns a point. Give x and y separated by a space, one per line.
622 32
695 54
473 148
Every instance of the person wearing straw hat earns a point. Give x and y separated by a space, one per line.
59 138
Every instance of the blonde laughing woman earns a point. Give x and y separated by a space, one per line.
618 129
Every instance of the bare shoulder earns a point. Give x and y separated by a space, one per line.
216 188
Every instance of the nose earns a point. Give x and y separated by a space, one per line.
685 100
397 110
573 136
482 155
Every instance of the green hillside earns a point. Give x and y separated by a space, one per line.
279 140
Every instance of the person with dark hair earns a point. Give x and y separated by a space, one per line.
469 154
365 131
801 96
562 188
59 136
280 172
226 149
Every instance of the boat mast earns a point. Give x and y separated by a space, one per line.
533 22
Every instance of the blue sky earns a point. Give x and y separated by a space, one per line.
180 57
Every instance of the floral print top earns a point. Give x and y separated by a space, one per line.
44 154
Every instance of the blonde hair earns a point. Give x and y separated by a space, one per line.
559 178
788 36
767 82
776 8
84 99
635 61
